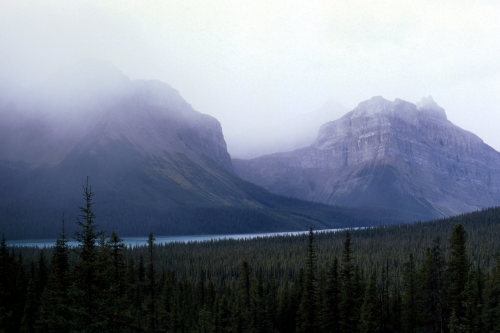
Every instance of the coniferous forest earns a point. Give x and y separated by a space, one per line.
441 276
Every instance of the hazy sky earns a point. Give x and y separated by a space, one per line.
261 66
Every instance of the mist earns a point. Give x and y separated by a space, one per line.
270 72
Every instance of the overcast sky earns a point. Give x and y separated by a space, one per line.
260 66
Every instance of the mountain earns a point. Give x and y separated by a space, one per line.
394 155
154 163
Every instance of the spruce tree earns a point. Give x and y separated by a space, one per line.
258 304
55 313
308 305
474 303
431 301
492 307
116 293
18 292
370 321
151 287
332 295
385 312
284 309
457 273
31 305
409 299
86 294
321 297
244 304
348 302
137 286
395 324
7 318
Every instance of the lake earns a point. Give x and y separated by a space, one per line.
142 241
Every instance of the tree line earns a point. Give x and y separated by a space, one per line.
354 281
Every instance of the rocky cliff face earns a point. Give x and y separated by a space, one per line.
395 155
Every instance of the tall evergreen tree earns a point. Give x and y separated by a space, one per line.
457 273
36 287
321 297
18 292
86 294
270 299
118 318
370 321
474 302
151 287
385 311
332 297
431 291
492 307
31 304
7 318
243 302
410 311
137 285
308 306
55 313
348 302
395 323
258 304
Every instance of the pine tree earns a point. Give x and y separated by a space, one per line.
31 304
86 294
118 317
348 302
370 310
395 324
7 318
271 304
409 299
36 287
431 302
137 285
331 315
284 310
151 287
308 305
474 303
492 307
258 304
223 314
55 309
457 274
244 287
321 297
385 312
18 291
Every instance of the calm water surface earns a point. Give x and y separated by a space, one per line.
141 241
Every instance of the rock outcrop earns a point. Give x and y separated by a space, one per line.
395 155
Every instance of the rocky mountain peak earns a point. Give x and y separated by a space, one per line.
428 106
391 154
374 105
377 105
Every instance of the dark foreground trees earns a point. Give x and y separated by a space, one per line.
102 286
130 295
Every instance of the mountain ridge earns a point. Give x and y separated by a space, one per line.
395 155
156 165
